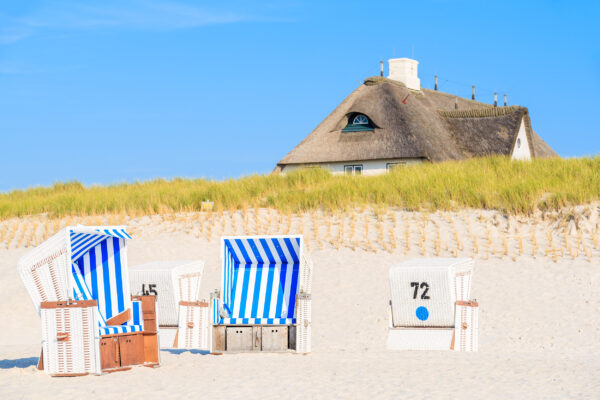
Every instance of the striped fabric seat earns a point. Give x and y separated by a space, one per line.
111 330
258 321
99 271
260 281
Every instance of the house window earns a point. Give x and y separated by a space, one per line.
360 119
353 169
392 165
518 143
358 123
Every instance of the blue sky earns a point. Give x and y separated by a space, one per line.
113 91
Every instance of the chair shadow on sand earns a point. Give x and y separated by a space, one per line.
191 351
27 362
19 363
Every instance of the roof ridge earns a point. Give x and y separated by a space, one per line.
479 112
378 80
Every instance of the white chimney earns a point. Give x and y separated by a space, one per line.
405 70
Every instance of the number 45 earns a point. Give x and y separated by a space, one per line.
151 289
423 285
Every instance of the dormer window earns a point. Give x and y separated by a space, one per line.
360 119
358 123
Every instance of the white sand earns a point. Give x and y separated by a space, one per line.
539 334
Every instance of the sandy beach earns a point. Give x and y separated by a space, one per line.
539 329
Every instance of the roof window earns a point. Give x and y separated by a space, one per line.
358 123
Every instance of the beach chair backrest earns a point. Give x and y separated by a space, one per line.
44 271
171 282
261 279
99 268
424 291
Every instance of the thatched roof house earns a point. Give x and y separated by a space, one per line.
392 121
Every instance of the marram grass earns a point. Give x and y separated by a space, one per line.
486 183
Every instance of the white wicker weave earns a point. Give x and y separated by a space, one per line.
304 302
77 352
44 270
167 337
193 327
466 326
420 338
424 291
172 282
306 271
304 323
430 307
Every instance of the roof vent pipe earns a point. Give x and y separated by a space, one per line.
456 103
473 93
435 82
380 68
495 99
505 100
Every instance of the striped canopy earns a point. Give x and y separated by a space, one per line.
99 271
260 280
84 238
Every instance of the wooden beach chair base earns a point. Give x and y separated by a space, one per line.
71 347
253 338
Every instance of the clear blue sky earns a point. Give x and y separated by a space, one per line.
112 91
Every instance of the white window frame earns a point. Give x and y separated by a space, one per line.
363 117
391 165
353 169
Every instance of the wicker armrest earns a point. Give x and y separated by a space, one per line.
45 305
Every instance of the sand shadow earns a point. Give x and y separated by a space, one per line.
191 351
19 363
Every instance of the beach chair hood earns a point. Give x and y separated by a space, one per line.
261 277
84 263
99 269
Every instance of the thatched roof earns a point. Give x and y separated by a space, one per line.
425 126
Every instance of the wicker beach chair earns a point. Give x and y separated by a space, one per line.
78 282
183 316
431 306
265 299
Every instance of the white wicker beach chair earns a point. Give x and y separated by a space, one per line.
430 307
78 282
183 318
265 298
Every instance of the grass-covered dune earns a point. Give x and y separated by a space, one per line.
487 183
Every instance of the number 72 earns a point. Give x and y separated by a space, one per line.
422 285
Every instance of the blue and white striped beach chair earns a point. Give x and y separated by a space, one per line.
78 280
266 288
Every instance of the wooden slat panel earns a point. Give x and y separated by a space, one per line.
149 325
109 353
240 338
292 337
150 347
64 304
119 319
131 349
274 338
218 339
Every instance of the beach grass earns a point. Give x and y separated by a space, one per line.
514 187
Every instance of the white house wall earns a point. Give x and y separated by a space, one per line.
371 167
521 152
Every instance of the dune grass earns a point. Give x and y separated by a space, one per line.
487 183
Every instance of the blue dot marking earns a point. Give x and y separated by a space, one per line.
422 313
